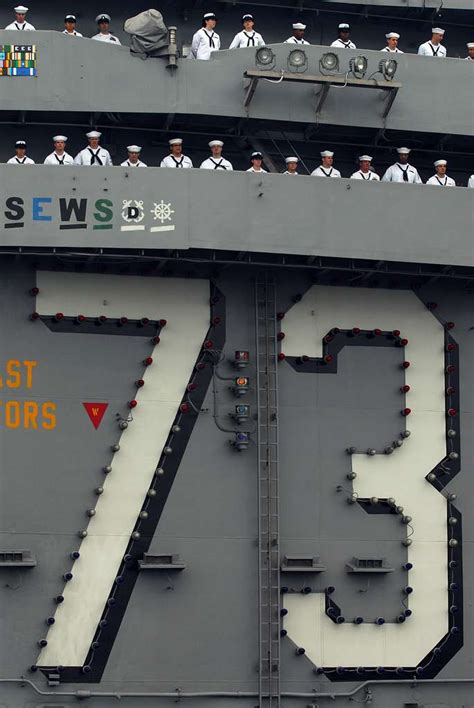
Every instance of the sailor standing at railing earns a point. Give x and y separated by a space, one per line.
20 157
248 37
291 165
392 43
176 158
298 34
365 172
20 22
93 155
326 168
216 161
104 34
70 26
205 40
441 179
433 48
133 159
402 171
343 41
256 159
470 51
59 156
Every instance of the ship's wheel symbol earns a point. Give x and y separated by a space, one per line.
162 211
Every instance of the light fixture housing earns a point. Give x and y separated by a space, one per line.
329 62
358 66
265 58
388 67
297 61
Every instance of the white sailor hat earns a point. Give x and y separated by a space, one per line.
365 158
212 143
20 144
256 156
299 25
343 26
440 162
437 30
470 45
209 16
247 17
93 134
403 151
70 18
103 17
134 148
176 141
291 159
58 138
327 153
21 9
392 35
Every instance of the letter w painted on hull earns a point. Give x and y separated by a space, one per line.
104 575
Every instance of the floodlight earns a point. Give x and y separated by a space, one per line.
358 66
297 60
329 62
388 67
265 58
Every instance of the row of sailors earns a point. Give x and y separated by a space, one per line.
96 156
206 40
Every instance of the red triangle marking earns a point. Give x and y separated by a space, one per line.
95 411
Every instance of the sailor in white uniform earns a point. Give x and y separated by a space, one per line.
104 34
441 179
471 182
402 171
326 168
216 161
248 37
176 158
205 40
392 43
70 26
93 155
470 51
343 41
20 22
59 156
256 158
364 172
133 159
298 34
20 157
291 165
433 48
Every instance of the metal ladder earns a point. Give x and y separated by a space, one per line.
268 493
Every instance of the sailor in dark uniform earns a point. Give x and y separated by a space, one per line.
20 157
70 26
441 179
326 168
216 161
402 171
205 40
20 22
298 34
364 172
176 157
133 159
59 156
93 155
343 41
433 48
248 37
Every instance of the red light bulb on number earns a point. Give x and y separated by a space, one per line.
281 356
405 411
452 412
148 361
34 291
58 316
405 364
328 358
450 347
184 408
396 332
405 388
162 323
34 316
132 404
139 383
208 344
449 325
280 336
215 321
